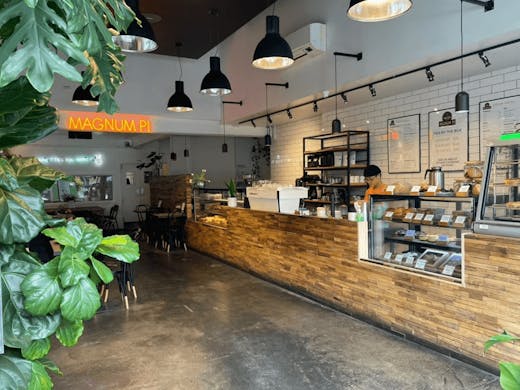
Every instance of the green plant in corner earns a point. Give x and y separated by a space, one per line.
232 188
40 38
509 372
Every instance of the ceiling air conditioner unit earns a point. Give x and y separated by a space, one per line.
308 41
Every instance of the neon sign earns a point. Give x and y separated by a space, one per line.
89 159
117 123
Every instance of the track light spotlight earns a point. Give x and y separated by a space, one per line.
253 123
344 97
429 74
269 119
484 59
289 114
315 107
372 90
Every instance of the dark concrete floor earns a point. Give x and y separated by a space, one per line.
200 324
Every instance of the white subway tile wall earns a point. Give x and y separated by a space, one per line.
286 151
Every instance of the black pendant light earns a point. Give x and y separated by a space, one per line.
336 123
179 101
462 98
267 138
224 145
215 83
186 150
137 39
83 97
377 11
273 52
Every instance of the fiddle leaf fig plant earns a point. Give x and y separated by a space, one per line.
509 372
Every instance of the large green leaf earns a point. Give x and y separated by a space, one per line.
50 366
6 251
42 290
71 268
82 236
120 247
37 349
30 49
30 171
7 176
25 115
69 332
104 273
21 215
15 372
509 376
20 327
40 379
500 338
80 302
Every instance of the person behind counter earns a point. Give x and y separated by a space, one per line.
373 179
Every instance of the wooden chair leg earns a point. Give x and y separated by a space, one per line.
106 295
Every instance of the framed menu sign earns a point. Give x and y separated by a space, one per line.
448 139
404 144
497 117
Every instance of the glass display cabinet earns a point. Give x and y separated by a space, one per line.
420 234
207 205
498 209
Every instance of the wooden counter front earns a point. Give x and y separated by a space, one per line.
319 258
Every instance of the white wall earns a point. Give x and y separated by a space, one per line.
286 157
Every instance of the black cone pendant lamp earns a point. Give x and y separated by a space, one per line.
336 123
83 97
179 101
462 98
377 11
137 39
267 138
215 83
272 52
224 145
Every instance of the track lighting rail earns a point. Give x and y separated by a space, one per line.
232 102
373 83
488 5
286 85
358 56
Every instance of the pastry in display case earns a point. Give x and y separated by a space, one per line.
419 234
498 210
207 206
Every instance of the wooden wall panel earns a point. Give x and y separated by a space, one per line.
319 257
172 190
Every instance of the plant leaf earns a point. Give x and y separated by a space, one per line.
69 332
120 247
71 269
509 376
500 338
104 273
21 215
25 115
37 349
8 179
20 328
82 236
15 372
50 366
80 302
40 177
40 379
42 290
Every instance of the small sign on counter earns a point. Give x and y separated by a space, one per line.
388 256
463 191
408 217
415 190
445 220
409 260
428 219
399 258
390 190
410 235
431 191
448 270
388 215
460 221
418 218
420 264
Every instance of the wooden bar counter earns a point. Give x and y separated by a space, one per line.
319 258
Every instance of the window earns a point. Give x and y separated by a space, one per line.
83 189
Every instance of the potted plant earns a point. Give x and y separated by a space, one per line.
198 179
232 190
509 372
41 38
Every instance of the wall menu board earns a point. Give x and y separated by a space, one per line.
448 139
497 117
404 144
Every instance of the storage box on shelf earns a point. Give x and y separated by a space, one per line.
420 234
333 166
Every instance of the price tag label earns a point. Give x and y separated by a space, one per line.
409 216
410 234
460 220
388 255
390 188
432 189
416 189
464 188
389 214
428 218
399 258
409 260
448 270
418 217
445 219
421 263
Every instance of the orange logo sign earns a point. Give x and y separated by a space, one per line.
117 123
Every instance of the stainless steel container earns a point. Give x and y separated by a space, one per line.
435 177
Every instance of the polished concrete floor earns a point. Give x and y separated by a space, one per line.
200 324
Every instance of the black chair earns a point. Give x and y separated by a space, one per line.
124 276
142 223
110 225
176 232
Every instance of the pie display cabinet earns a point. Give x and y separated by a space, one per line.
498 211
333 166
420 234
207 207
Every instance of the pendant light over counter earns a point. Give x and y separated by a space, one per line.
377 10
179 101
336 123
83 97
462 98
137 39
273 52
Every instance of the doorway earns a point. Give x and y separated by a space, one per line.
132 191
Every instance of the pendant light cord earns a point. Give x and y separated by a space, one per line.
336 84
461 51
223 120
274 6
178 44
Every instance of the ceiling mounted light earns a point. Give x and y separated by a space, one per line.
215 83
272 52
372 90
429 74
289 114
267 138
315 106
344 97
377 10
179 101
83 97
484 59
137 39
269 119
253 123
462 98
